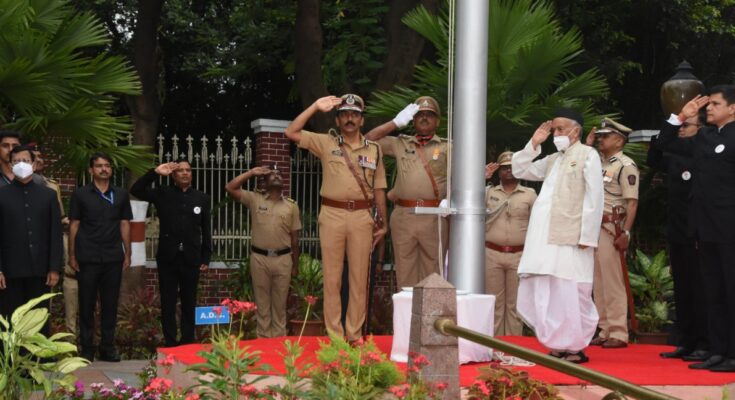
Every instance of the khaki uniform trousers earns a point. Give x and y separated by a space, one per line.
344 231
609 294
416 241
501 280
70 288
271 279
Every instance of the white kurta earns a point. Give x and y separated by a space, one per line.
555 290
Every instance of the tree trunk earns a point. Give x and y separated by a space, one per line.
308 55
146 108
404 44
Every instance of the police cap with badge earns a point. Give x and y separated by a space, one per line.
351 102
610 127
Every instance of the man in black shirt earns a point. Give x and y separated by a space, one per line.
712 213
31 247
184 244
99 249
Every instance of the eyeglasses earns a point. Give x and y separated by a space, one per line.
20 161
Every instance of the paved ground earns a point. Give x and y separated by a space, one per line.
105 372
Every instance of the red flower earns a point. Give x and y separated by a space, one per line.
418 360
371 357
168 361
159 385
441 386
311 299
400 391
217 310
248 391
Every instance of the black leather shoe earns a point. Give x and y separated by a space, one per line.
709 363
697 355
109 356
679 352
725 366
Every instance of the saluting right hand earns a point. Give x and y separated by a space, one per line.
541 134
490 170
590 141
406 115
327 103
691 109
259 171
166 169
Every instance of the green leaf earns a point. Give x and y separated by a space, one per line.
21 311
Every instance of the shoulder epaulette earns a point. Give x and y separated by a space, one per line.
404 136
290 199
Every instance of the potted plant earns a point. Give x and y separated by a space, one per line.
653 288
308 287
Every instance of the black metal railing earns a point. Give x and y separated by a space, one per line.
620 387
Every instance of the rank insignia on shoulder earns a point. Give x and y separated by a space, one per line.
494 198
337 152
632 180
291 200
573 164
367 162
410 151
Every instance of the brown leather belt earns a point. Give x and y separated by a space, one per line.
418 203
609 218
348 205
503 249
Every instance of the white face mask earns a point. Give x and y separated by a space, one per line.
22 170
561 142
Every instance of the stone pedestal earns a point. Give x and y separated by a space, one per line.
435 298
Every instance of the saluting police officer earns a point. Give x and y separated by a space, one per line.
421 162
274 255
353 183
620 179
184 244
510 204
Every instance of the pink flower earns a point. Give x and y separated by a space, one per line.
159 385
168 361
311 299
217 310
481 386
418 360
441 386
371 357
400 391
192 397
248 391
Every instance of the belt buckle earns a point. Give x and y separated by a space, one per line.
271 253
350 204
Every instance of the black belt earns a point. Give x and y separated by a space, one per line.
270 253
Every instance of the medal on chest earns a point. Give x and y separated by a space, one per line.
607 175
720 148
435 154
367 162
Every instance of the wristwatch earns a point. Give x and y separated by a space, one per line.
627 233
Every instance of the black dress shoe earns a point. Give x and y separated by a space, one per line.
109 356
679 352
725 366
697 355
709 363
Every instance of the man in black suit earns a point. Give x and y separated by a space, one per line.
184 244
689 293
31 247
712 213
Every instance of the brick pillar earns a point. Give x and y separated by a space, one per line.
272 146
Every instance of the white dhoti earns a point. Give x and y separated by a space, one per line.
560 311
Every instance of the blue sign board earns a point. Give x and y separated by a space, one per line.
208 316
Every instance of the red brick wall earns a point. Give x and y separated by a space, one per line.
211 284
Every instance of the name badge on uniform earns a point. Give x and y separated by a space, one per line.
720 148
435 156
197 210
366 162
686 175
337 152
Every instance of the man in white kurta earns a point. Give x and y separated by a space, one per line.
557 266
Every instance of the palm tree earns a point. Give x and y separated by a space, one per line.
530 70
58 86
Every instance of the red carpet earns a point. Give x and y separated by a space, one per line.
639 364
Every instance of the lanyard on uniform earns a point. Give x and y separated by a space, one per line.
110 199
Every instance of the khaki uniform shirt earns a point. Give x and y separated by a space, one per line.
620 177
413 182
508 226
272 220
339 183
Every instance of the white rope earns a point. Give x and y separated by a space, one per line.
450 102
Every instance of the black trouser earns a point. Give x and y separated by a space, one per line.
19 291
689 295
178 279
105 279
718 275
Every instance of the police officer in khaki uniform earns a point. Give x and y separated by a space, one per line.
620 179
353 183
510 206
418 240
274 252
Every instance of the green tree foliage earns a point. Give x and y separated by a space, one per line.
530 60
56 83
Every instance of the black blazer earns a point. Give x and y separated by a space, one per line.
185 218
31 240
678 188
712 197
